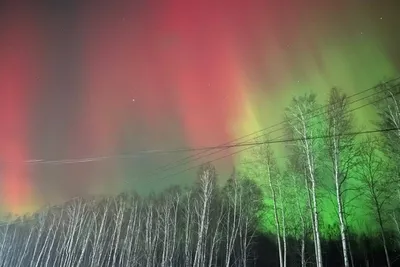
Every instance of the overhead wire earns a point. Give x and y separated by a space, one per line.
278 141
202 150
198 156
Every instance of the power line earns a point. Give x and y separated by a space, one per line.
225 146
299 154
193 157
276 141
308 138
182 150
251 145
137 154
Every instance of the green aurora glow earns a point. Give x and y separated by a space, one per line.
352 64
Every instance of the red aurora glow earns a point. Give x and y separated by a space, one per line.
18 77
189 65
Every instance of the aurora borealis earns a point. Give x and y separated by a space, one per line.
201 73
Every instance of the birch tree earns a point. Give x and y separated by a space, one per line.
389 118
48 237
119 207
218 214
41 221
341 153
169 220
303 122
5 242
207 180
377 186
281 195
300 208
130 250
8 244
189 228
270 172
252 205
26 246
100 228
233 200
54 232
300 202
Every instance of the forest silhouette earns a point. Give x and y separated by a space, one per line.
332 200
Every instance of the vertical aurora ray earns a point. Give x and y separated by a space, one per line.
177 60
201 73
18 79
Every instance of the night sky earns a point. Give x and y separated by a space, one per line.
83 83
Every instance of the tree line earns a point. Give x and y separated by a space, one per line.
206 225
271 212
